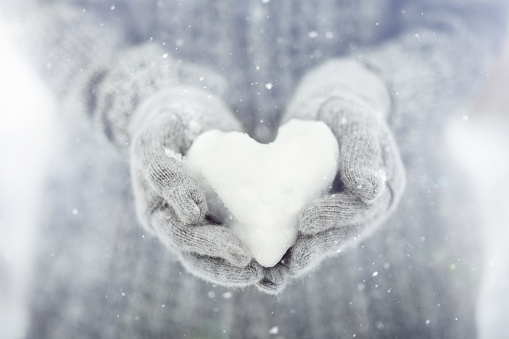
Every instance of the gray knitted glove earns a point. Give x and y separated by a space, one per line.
169 201
157 106
371 179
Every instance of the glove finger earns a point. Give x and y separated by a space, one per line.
310 250
275 279
208 240
219 271
339 210
159 218
160 164
357 131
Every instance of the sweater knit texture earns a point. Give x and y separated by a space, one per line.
99 275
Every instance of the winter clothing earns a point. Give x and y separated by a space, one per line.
126 65
370 168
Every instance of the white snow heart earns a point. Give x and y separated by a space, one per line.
260 189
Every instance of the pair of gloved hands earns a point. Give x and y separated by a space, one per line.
351 100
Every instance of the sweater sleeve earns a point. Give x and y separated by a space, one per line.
90 66
436 61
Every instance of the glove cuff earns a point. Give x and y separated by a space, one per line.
137 74
194 107
343 78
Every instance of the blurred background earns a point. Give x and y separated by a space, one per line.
481 141
28 138
26 143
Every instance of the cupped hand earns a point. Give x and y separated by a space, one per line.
367 188
169 201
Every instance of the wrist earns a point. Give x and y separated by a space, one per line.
137 75
342 79
188 104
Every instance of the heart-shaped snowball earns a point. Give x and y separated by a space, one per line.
264 187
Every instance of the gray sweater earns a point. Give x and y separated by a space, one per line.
99 275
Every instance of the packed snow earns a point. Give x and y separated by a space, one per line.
259 190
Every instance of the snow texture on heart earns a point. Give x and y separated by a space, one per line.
260 189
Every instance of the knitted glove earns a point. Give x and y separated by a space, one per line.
158 106
370 181
169 201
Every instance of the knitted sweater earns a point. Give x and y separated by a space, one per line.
100 276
